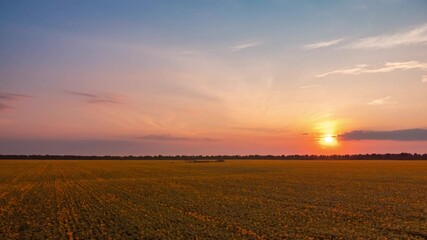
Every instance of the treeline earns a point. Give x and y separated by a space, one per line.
388 156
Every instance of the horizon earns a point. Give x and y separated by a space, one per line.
255 156
225 77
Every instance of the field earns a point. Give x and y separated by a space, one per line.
224 200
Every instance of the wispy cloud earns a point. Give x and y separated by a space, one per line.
95 99
12 96
424 80
387 67
414 36
382 101
322 44
167 137
245 45
7 97
416 134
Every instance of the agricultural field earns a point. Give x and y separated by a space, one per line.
213 200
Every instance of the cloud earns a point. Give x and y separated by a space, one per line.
167 137
246 45
322 44
382 101
416 36
7 97
95 99
12 96
387 67
424 80
416 134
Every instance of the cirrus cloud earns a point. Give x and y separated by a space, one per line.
382 101
387 67
322 44
416 36
245 45
95 98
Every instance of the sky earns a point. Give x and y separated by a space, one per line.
213 77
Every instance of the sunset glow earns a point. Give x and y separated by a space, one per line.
329 140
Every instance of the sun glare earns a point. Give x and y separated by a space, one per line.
328 140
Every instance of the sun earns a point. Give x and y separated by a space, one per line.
328 140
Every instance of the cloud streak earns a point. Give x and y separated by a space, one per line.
416 36
387 67
322 44
167 137
95 99
246 45
416 134
7 97
382 101
12 96
424 79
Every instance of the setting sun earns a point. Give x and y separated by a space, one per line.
328 140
